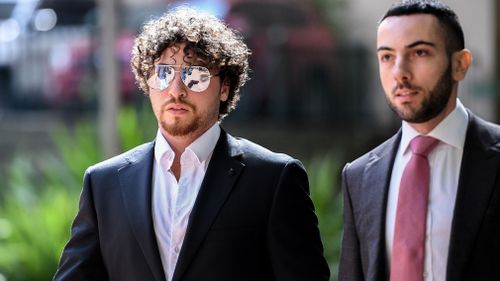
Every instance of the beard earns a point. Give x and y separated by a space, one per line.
431 106
179 127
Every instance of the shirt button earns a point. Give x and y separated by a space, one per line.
425 274
177 249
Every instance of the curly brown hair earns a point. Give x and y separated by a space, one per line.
211 40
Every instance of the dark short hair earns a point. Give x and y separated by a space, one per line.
211 40
446 16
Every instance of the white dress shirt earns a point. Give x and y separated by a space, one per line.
173 201
444 162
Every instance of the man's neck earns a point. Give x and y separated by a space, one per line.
179 144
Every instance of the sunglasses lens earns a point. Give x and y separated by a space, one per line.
196 78
163 76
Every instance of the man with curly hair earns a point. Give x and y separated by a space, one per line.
196 203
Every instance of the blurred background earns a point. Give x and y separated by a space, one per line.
68 100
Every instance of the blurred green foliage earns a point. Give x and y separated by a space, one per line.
324 177
41 198
34 217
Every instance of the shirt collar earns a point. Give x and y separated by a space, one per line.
202 147
451 130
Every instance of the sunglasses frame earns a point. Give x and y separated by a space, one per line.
183 69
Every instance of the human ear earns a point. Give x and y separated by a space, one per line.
460 63
224 90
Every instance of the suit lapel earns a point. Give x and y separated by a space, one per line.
376 179
221 175
135 181
476 183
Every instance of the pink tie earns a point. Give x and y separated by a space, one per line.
408 248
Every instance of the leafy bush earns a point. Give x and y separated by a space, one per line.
34 219
41 198
324 178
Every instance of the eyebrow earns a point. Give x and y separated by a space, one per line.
420 42
409 46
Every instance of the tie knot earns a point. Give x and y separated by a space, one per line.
423 145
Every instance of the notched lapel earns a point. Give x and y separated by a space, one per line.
478 173
135 182
376 179
222 173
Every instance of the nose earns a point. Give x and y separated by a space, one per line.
401 70
176 89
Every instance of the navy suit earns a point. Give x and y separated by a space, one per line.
474 250
252 220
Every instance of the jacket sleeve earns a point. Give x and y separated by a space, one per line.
81 258
293 236
350 268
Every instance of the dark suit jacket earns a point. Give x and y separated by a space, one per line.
474 251
253 220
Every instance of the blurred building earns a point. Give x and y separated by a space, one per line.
300 73
305 70
48 54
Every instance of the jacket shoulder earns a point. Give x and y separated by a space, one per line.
127 157
254 153
485 132
389 146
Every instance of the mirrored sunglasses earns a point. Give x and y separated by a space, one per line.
195 77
